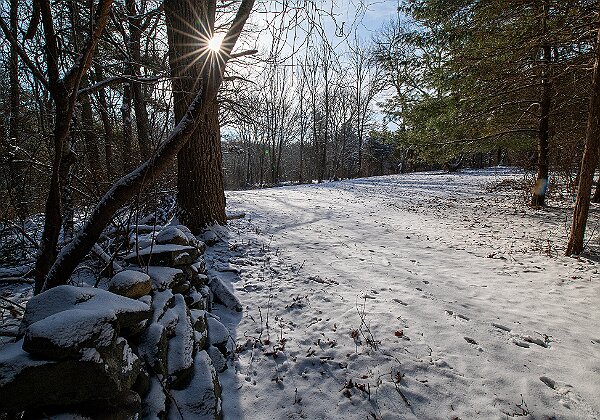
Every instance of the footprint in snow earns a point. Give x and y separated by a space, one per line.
457 316
567 395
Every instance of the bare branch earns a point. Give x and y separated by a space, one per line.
15 43
115 81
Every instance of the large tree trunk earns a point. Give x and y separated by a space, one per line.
200 192
588 163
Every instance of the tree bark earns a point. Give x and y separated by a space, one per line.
200 191
137 94
90 140
16 187
588 163
541 184
107 125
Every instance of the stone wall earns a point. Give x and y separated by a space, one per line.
146 347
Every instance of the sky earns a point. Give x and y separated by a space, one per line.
339 19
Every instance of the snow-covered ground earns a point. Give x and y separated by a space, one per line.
430 296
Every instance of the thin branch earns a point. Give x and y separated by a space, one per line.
15 44
115 81
243 53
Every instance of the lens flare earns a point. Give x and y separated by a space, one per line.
214 44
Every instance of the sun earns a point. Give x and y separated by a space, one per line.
214 44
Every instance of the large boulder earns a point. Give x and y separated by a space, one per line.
131 284
103 304
27 382
66 334
165 255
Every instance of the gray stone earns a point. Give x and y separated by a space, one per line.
218 334
192 239
195 300
154 405
153 347
201 399
218 360
181 288
125 405
199 280
180 348
161 303
131 284
30 383
200 324
164 255
66 334
223 295
172 235
128 312
165 277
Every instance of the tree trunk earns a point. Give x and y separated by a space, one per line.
127 141
90 140
588 163
541 184
108 129
16 184
200 191
137 94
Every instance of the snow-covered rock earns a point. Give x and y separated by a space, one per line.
164 255
128 312
27 382
200 324
131 284
218 360
180 352
154 405
165 277
223 295
172 235
192 239
218 334
66 334
153 347
201 399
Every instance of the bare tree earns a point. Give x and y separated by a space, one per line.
588 163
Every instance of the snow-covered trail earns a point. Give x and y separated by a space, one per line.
434 296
